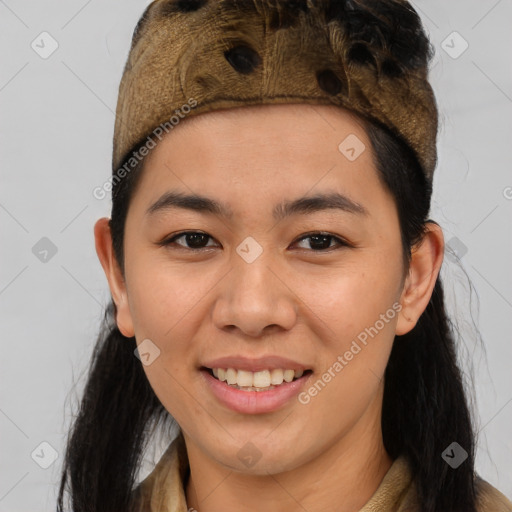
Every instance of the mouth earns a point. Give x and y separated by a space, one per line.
254 385
260 381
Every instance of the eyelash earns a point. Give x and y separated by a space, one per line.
341 243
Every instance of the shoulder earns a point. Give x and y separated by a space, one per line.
489 499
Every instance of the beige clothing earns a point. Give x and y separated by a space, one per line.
163 489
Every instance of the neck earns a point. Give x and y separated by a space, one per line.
347 473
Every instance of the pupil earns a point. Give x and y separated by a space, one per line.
196 239
324 238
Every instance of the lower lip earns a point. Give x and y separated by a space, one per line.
254 402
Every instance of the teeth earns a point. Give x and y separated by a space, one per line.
288 375
256 381
276 377
261 379
231 376
244 378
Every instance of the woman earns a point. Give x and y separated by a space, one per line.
274 273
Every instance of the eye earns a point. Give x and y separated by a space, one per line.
322 241
196 239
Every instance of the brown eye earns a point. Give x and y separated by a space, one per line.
320 242
194 240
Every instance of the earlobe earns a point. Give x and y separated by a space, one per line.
105 252
426 259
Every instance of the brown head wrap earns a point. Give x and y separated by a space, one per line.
194 56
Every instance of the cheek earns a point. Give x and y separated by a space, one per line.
357 310
349 299
165 308
352 362
164 298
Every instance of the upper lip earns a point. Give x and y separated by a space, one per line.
255 364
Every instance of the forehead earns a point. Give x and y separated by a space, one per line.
289 121
258 154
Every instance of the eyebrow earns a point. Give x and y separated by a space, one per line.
301 206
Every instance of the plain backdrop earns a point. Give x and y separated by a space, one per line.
56 127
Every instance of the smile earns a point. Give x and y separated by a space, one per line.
262 391
263 380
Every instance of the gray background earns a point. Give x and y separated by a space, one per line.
56 126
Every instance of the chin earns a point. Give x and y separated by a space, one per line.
259 457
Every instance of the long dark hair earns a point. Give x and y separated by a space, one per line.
425 405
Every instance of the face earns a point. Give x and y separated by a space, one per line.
267 284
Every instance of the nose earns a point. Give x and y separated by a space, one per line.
255 298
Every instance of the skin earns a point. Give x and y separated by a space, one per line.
293 300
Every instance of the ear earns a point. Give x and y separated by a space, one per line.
426 259
105 252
